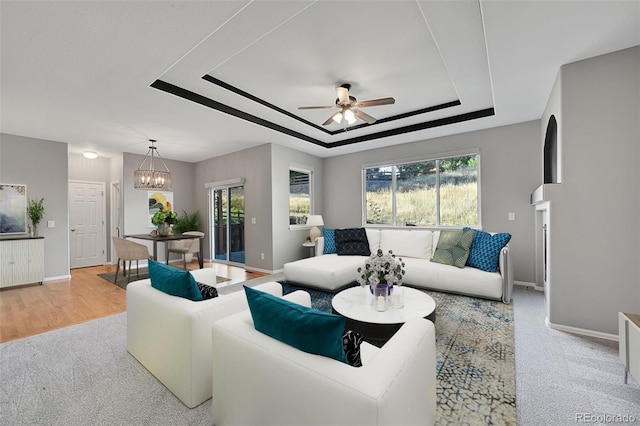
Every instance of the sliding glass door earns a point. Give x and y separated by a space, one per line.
227 219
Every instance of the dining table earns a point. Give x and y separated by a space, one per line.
166 239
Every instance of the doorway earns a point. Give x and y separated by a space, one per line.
227 224
87 245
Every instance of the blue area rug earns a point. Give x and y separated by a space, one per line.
475 357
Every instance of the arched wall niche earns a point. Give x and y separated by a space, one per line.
551 152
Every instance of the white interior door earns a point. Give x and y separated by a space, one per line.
86 224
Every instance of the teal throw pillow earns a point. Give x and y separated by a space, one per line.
453 247
329 241
307 329
173 281
485 250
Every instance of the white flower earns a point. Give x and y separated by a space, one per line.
381 268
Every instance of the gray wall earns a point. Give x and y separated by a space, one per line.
511 167
136 202
254 165
42 166
287 243
595 228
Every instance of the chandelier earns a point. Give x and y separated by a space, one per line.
150 178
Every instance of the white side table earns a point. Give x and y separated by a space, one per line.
629 337
311 247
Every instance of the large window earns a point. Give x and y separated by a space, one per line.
300 196
439 192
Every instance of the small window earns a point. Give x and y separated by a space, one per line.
300 196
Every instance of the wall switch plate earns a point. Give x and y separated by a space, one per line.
512 216
253 220
51 224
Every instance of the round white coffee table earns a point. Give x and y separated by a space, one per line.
356 304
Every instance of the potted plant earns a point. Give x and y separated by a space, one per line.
163 219
35 211
187 222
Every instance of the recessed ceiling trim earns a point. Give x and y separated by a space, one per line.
261 101
210 103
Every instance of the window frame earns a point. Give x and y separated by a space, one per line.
435 157
309 171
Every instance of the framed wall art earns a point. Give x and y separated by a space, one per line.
159 200
13 209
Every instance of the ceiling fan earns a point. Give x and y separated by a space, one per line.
348 104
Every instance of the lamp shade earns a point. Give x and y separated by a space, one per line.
315 220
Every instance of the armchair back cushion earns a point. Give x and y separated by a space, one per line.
307 329
173 281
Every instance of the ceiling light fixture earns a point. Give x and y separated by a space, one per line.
337 117
91 155
150 178
349 116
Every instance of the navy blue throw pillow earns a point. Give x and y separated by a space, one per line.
352 241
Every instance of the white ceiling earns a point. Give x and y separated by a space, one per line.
81 72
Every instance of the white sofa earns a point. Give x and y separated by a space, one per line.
331 272
171 336
261 381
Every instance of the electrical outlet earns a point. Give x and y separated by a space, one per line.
262 256
253 220
512 216
51 224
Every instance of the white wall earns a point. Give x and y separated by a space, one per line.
594 212
511 168
42 166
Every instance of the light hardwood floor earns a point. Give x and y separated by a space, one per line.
35 309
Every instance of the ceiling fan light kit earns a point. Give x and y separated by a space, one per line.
347 105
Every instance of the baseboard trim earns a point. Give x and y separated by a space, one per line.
264 271
61 277
582 331
528 285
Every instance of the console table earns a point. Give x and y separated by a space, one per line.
629 337
21 260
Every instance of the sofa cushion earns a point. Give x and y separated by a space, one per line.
485 250
352 241
207 291
351 341
173 281
373 235
307 329
329 272
406 243
329 240
453 247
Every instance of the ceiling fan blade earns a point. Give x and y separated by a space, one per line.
343 95
376 102
330 120
363 116
318 107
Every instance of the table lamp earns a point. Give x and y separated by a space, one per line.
314 220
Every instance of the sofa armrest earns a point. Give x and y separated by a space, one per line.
284 385
319 246
506 271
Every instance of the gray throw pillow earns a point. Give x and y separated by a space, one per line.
453 247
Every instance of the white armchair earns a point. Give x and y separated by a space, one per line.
171 336
262 381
